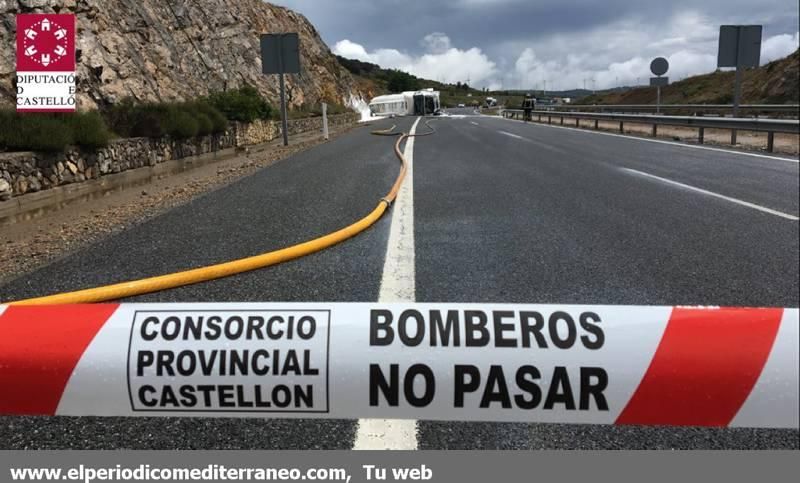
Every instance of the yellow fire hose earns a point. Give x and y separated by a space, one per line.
386 132
213 272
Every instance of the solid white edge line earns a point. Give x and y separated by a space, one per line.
715 195
658 141
397 285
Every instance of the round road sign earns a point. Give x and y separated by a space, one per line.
659 66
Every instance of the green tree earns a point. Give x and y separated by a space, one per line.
399 81
244 104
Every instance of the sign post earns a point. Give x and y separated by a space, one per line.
739 47
325 120
284 115
280 54
659 66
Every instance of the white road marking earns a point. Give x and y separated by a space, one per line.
512 135
659 141
715 195
397 285
474 123
386 434
538 143
398 281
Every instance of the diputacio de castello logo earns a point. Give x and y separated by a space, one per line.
46 63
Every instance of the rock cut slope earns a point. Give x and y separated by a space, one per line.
164 50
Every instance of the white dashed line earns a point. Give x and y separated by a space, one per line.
538 143
715 195
397 285
504 133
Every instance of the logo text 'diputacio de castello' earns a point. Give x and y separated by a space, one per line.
46 63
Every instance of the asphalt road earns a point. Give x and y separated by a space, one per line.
503 212
560 221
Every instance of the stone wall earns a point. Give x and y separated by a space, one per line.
257 132
297 126
263 131
27 172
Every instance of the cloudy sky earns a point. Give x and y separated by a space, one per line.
525 43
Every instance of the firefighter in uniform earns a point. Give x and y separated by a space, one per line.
528 105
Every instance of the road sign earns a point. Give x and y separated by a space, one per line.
659 81
659 66
280 54
739 46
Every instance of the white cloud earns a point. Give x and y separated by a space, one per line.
605 56
441 62
350 50
620 54
779 46
436 43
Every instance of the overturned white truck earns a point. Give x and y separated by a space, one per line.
411 103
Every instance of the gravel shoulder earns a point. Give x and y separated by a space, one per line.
41 237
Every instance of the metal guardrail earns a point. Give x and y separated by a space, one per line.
770 126
699 108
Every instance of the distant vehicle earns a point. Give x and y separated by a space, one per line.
462 105
491 102
411 103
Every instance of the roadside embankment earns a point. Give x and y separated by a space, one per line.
28 172
32 238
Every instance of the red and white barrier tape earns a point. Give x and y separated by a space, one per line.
465 362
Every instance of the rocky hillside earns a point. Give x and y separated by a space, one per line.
775 83
164 50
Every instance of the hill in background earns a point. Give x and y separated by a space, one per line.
773 83
376 81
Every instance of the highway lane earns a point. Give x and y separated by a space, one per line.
305 196
573 227
763 179
524 215
508 212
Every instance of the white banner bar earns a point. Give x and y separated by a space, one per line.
465 362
